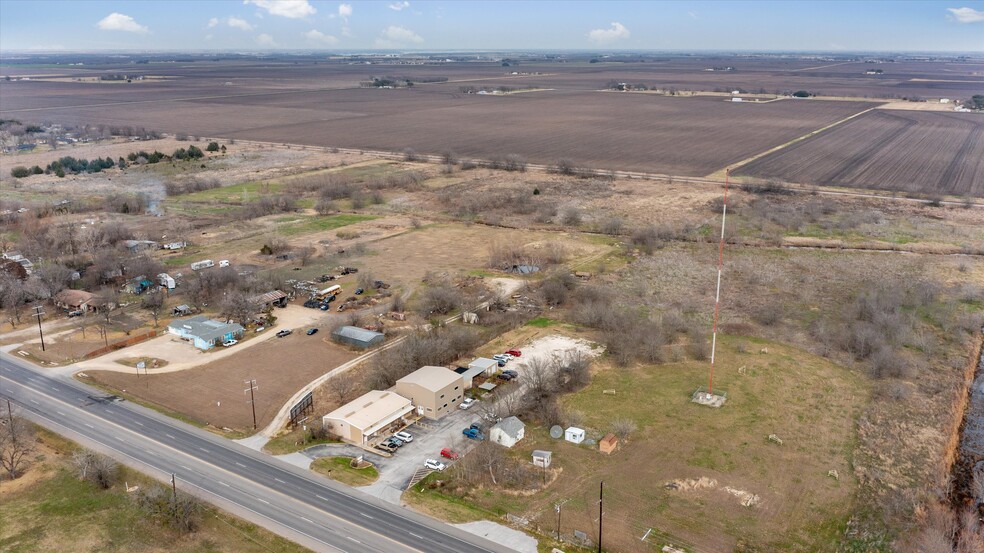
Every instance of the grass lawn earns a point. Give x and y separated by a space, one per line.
808 401
52 510
542 322
340 469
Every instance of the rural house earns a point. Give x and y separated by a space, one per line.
73 300
359 420
434 391
205 332
508 431
357 337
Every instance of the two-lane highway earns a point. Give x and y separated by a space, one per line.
295 503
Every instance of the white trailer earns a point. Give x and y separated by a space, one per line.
204 264
166 281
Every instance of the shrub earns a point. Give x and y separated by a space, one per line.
212 147
20 172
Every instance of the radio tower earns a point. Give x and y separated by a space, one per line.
709 398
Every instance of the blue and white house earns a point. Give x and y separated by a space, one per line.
205 333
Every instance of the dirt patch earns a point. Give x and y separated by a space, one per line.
214 392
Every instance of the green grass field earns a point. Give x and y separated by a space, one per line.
340 470
809 402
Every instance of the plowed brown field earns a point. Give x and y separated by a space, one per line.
910 151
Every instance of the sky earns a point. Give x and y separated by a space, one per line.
257 25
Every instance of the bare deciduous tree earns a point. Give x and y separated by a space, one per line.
152 301
239 306
622 428
17 442
342 386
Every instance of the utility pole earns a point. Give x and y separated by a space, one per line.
601 511
252 386
39 313
558 507
174 488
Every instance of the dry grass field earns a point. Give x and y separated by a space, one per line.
891 150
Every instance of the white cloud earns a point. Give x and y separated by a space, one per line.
397 6
213 22
293 9
345 10
318 38
119 22
240 24
264 39
607 36
966 15
394 36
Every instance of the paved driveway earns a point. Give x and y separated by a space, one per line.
181 355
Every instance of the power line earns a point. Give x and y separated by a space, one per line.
252 400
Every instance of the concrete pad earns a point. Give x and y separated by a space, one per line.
709 400
501 534
296 459
256 441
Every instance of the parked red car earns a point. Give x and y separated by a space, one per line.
514 352
449 453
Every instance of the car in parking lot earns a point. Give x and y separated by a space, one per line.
312 331
500 358
473 433
449 453
511 373
434 464
514 352
394 441
284 332
385 446
505 377
467 403
403 436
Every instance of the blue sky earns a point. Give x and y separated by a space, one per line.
405 25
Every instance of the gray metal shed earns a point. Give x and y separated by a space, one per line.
357 337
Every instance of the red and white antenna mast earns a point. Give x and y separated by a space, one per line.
717 294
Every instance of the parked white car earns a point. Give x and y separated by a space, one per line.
404 436
434 464
228 343
467 403
224 263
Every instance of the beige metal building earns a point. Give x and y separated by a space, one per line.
434 391
358 421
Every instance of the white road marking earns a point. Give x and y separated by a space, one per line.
306 520
262 500
60 413
367 516
120 439
415 535
34 402
169 436
53 388
203 449
138 422
321 498
353 539
240 464
279 480
89 425
224 484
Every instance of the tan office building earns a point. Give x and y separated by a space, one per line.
434 391
358 421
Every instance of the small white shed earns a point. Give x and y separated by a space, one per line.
508 431
574 435
541 458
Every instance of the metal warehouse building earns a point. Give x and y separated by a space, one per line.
361 419
357 337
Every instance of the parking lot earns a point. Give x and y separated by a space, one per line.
429 438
